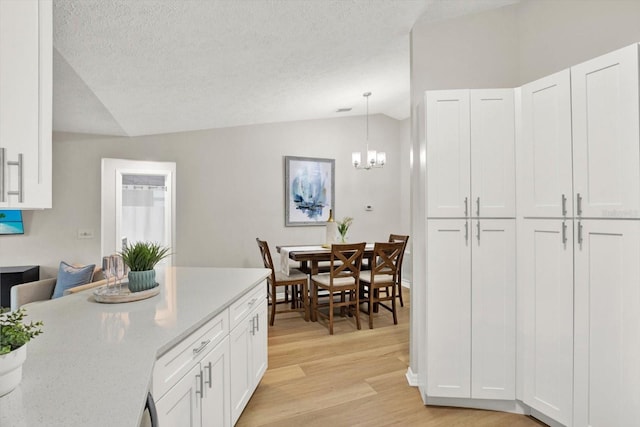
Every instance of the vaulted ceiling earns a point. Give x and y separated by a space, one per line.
143 67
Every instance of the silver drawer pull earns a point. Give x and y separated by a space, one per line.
199 380
203 344
253 301
208 367
19 192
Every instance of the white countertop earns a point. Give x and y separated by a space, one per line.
93 364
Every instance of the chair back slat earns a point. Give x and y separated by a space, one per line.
266 257
387 258
346 260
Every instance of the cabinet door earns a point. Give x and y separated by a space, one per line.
493 307
25 103
605 135
545 267
216 406
180 406
545 149
607 319
259 342
448 309
493 154
448 153
241 366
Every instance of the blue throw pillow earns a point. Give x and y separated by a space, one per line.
70 277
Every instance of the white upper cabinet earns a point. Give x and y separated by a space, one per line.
545 273
606 138
25 103
545 164
607 324
448 153
470 153
493 175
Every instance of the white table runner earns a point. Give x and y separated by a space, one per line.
284 255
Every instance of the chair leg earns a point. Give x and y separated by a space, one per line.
314 302
393 306
400 293
330 314
273 304
305 301
354 294
370 307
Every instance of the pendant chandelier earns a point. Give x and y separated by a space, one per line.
374 159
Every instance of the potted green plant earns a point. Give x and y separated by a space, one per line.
14 335
141 258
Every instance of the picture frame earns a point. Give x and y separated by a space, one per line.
309 187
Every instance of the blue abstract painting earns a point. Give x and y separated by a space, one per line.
309 190
11 222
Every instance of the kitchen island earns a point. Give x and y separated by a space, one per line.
94 364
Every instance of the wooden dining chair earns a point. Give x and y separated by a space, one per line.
342 280
405 240
382 279
297 280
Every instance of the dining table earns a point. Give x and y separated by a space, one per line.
310 256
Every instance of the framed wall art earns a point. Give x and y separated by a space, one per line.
309 190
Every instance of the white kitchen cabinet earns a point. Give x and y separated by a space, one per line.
606 152
493 174
25 104
545 158
493 309
448 153
248 341
471 314
470 153
201 397
545 273
448 308
607 323
181 405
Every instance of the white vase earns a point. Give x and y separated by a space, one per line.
11 369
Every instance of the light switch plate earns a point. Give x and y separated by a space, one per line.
85 233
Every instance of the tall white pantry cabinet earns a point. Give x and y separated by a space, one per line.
471 244
578 249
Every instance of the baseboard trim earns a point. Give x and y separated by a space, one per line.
412 378
512 406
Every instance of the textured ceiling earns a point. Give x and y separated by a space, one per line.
138 67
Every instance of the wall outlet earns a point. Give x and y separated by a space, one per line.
85 233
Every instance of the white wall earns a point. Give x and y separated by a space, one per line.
230 190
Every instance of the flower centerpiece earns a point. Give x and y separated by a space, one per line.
14 335
141 258
343 227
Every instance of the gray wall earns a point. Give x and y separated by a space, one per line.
230 190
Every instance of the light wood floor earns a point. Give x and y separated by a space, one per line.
353 378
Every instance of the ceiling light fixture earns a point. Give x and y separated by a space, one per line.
374 159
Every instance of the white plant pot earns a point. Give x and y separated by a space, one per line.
11 369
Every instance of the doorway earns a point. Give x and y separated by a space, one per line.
138 204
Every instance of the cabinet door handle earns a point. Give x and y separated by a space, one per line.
253 326
19 192
258 322
478 206
564 205
199 380
208 367
466 206
203 344
580 233
564 232
579 208
478 227
466 231
2 175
